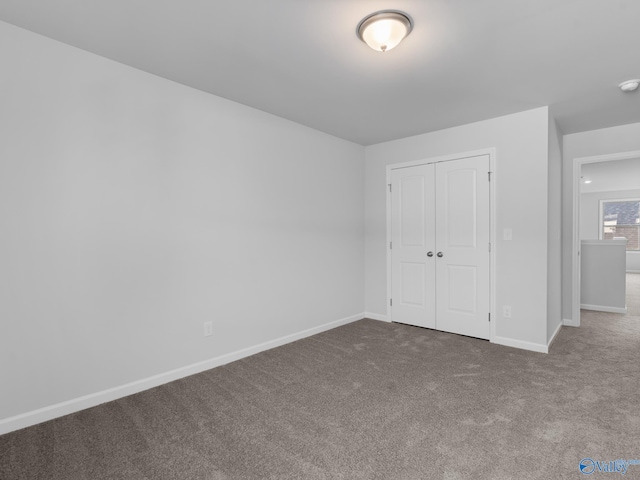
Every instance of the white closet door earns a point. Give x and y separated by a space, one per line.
462 243
412 236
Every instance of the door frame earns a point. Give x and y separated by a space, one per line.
575 246
491 152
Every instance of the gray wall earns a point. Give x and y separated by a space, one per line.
521 177
554 228
134 209
603 279
624 138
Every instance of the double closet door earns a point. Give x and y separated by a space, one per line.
440 252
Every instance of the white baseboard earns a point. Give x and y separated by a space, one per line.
87 401
633 271
600 308
510 342
568 322
555 334
375 316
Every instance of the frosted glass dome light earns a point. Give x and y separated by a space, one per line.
385 29
629 85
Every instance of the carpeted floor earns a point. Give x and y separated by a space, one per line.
369 400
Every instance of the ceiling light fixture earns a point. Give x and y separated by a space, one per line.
385 29
629 85
587 181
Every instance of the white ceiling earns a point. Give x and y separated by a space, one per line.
611 176
466 60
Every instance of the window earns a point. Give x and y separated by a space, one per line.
621 219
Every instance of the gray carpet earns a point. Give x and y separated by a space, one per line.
369 400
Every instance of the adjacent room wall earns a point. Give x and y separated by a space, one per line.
624 138
134 209
590 219
602 275
554 241
522 173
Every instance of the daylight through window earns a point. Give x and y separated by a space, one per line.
621 219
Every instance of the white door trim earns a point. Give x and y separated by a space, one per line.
575 248
492 219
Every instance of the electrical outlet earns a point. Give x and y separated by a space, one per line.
506 311
208 329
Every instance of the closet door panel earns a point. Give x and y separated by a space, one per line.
412 236
462 244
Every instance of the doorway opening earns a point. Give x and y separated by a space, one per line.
606 211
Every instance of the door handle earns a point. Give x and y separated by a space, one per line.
429 254
440 254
